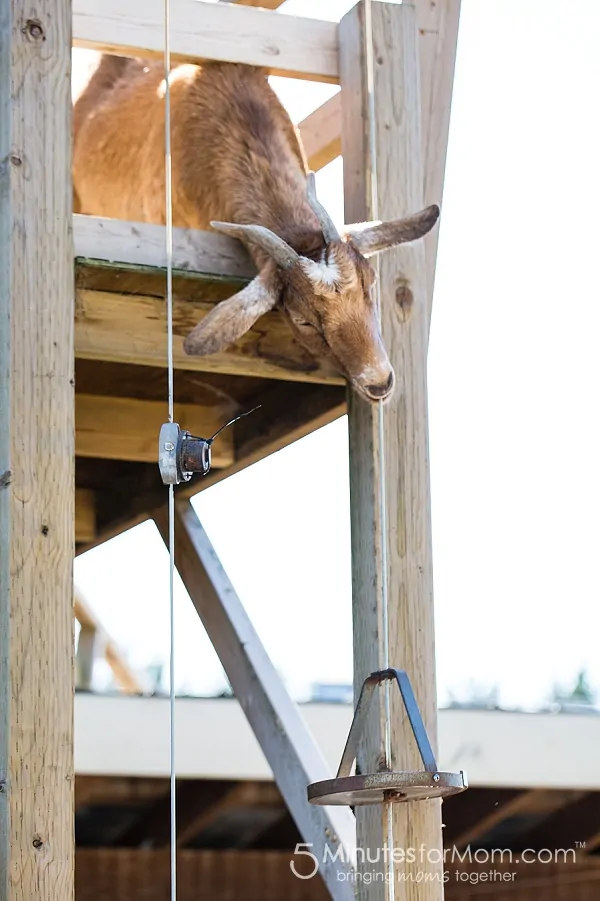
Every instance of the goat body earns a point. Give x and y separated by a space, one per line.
236 158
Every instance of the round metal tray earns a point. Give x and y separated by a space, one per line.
383 788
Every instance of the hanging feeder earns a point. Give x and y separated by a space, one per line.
387 786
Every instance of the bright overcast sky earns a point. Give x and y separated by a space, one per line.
514 371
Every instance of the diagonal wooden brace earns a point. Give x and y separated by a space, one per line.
274 717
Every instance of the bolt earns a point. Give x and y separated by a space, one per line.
169 446
436 777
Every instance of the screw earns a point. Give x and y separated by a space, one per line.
436 777
169 446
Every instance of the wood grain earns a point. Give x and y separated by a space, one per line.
410 625
85 515
131 244
437 22
36 453
123 428
132 328
321 133
287 45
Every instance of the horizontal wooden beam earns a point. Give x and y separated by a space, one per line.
286 45
117 790
125 873
276 425
135 244
538 802
127 328
85 515
124 428
321 133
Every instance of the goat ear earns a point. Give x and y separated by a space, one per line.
232 318
372 237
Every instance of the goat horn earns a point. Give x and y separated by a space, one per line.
330 232
284 255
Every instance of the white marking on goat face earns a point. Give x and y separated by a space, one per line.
321 274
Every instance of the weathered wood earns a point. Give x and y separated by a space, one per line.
410 626
85 515
437 22
321 133
132 328
302 48
132 244
123 428
36 453
275 720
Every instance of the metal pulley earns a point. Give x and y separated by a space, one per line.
387 786
180 455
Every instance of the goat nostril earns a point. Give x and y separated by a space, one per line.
381 390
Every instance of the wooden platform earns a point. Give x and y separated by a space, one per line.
121 375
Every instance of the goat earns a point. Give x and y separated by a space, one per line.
238 167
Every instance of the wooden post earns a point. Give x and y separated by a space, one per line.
36 453
403 286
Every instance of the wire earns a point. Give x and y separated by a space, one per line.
374 214
170 389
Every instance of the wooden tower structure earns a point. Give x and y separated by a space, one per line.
83 386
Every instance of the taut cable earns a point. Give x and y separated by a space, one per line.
374 214
169 254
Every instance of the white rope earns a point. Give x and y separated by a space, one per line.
169 253
374 213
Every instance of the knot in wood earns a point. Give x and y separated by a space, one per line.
37 842
404 299
34 30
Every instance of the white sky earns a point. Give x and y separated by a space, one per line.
514 371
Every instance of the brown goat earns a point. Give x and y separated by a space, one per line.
238 166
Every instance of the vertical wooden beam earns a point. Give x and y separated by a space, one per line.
437 21
36 453
403 286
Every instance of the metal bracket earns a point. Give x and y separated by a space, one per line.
180 455
387 786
